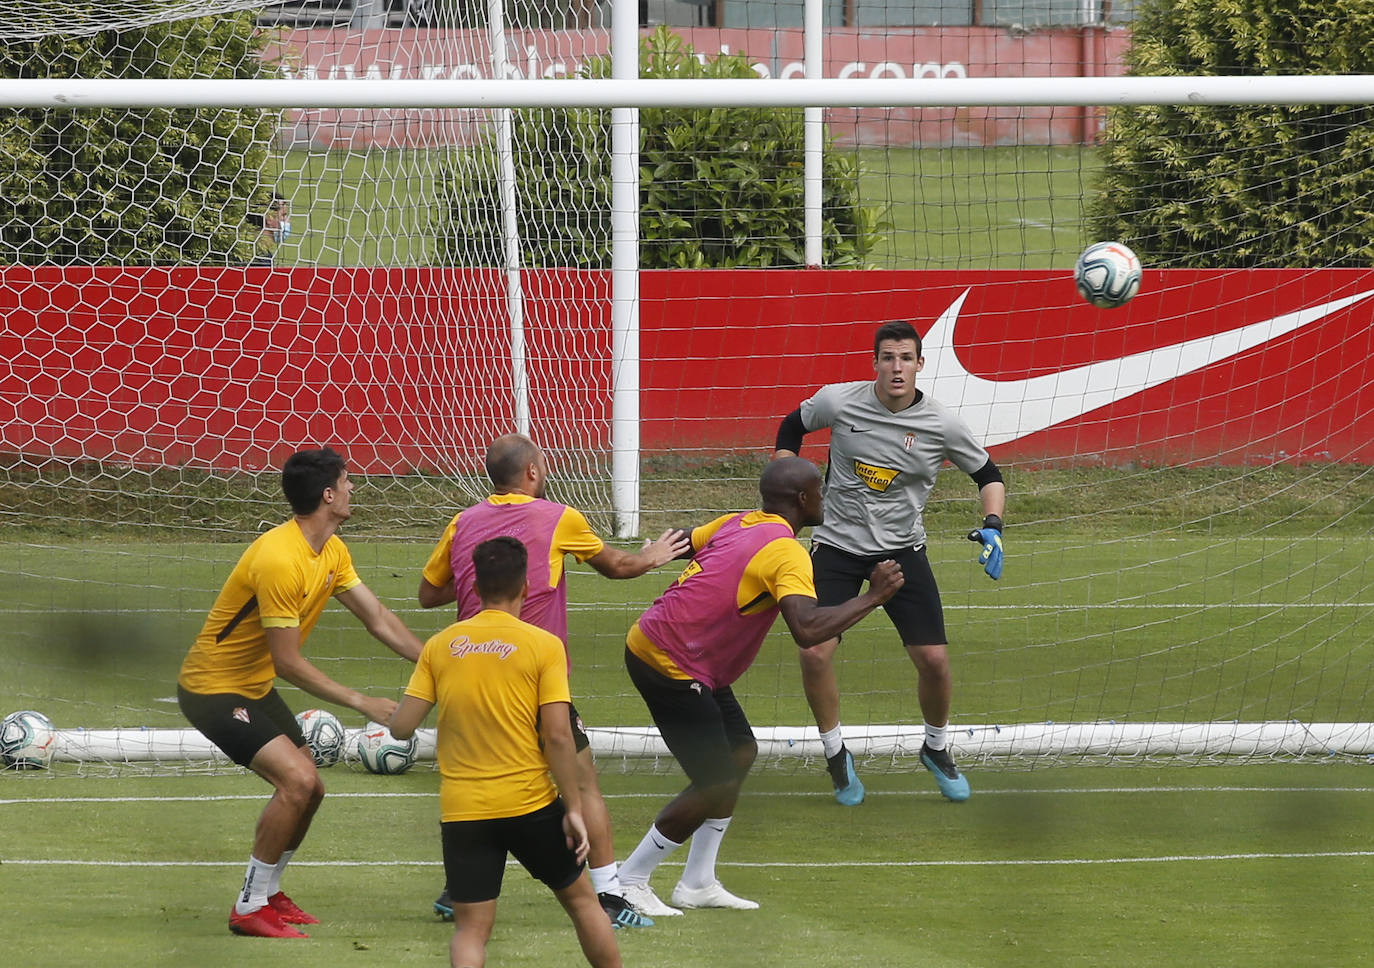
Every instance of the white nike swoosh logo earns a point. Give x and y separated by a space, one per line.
999 411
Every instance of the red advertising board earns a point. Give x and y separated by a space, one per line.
237 367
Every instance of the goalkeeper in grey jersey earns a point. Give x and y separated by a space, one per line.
888 441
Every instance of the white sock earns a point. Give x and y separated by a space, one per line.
274 882
254 893
605 880
701 856
936 736
644 858
832 741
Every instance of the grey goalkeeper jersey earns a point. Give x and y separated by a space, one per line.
883 465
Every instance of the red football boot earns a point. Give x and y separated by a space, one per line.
288 911
265 922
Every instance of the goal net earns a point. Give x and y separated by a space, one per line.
193 293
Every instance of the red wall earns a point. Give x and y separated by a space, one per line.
401 367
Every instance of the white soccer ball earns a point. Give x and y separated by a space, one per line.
27 740
1107 274
383 753
324 733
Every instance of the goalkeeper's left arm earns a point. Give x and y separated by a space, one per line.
790 433
992 492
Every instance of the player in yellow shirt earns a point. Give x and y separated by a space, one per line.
255 632
501 686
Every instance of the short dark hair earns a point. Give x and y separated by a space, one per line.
500 564
307 473
896 330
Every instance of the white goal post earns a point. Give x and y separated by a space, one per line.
896 743
76 93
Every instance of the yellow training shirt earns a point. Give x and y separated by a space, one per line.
489 675
279 582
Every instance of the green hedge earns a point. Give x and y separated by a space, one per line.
1243 186
719 187
142 186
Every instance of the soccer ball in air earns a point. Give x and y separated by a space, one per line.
324 733
27 739
383 753
1107 274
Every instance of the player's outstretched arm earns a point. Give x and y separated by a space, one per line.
291 665
790 433
408 716
384 624
615 563
993 497
810 624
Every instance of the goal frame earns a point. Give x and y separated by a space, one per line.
626 95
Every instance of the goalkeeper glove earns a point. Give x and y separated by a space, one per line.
990 537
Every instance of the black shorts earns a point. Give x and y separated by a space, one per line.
238 725
475 853
702 727
915 610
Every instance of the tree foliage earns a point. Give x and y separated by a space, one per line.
719 187
1243 186
134 186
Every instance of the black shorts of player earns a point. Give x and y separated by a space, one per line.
238 725
702 727
475 852
915 610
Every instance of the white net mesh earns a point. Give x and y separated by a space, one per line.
193 294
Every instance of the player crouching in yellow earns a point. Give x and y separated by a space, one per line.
501 686
256 631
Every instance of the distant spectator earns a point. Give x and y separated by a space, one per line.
274 228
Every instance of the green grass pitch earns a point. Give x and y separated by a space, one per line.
1184 627
1073 865
1247 867
1003 208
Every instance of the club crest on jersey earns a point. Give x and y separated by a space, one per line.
693 567
908 441
877 478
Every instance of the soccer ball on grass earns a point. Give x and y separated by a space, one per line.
324 734
383 753
1107 274
27 740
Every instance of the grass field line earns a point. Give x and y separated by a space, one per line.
1011 791
768 865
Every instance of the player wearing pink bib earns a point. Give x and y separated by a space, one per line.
550 532
547 529
698 638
